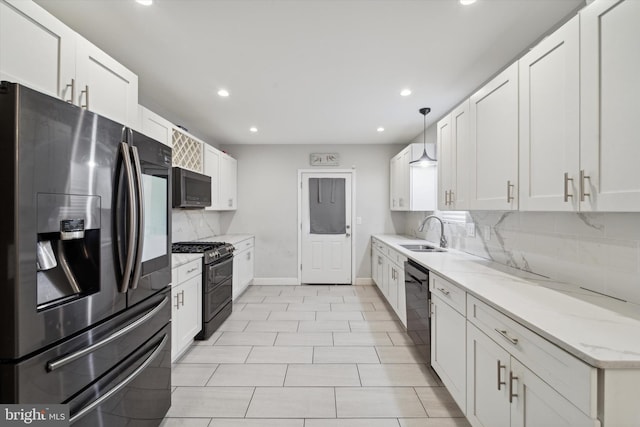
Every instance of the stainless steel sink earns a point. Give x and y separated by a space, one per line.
423 248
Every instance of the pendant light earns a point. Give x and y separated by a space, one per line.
425 159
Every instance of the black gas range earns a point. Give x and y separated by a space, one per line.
217 276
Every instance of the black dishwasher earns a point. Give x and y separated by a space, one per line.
416 282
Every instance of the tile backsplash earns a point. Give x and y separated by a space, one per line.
598 251
194 224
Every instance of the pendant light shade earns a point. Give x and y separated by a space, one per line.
424 160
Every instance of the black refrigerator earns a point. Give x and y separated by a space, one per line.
85 263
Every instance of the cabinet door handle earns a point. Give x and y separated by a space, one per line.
583 193
230 203
177 298
566 187
500 382
444 291
72 85
510 186
511 393
451 197
181 294
506 336
248 256
86 97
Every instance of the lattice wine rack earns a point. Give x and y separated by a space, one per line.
187 152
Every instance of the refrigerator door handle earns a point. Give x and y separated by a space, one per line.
84 411
140 219
64 360
131 219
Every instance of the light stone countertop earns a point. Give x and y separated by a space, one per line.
602 331
181 259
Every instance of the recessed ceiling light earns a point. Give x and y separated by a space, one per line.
145 2
253 129
405 92
467 2
380 129
223 93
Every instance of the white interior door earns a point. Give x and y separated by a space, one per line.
325 233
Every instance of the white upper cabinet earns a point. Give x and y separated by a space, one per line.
412 188
550 122
212 168
228 183
609 89
493 162
155 126
36 49
453 146
104 85
40 52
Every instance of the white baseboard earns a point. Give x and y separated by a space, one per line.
364 281
269 281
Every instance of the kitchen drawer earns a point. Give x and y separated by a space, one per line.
245 244
189 270
571 377
448 292
397 258
380 246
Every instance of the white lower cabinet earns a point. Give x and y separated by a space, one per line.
186 308
387 271
448 337
243 266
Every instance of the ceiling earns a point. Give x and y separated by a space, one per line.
309 71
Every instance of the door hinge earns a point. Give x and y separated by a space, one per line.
300 267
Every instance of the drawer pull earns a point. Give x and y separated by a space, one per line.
506 336
444 291
192 270
500 382
511 393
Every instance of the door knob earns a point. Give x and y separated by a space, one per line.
348 235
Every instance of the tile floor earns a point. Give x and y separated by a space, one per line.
309 356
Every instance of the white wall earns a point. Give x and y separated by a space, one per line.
268 201
598 251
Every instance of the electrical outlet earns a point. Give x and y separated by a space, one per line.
487 232
471 229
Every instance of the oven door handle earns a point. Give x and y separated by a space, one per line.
65 360
131 219
84 411
137 266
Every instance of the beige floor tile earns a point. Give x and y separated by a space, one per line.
359 299
310 307
376 325
378 402
301 291
281 355
247 338
249 375
233 325
434 422
324 325
292 402
292 315
339 315
352 422
215 354
379 315
400 338
324 299
345 355
399 354
185 422
244 299
211 340
282 299
382 306
361 338
272 326
237 306
321 375
366 306
338 290
396 375
256 422
192 374
265 307
249 315
207 402
263 291
304 339
438 402
367 290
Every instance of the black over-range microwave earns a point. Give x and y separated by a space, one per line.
190 189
